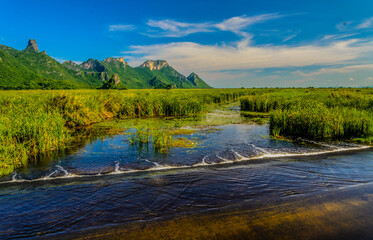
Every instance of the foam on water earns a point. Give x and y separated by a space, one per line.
202 163
259 149
262 154
224 159
16 177
117 167
63 170
238 156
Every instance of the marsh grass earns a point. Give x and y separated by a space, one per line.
36 122
160 138
324 114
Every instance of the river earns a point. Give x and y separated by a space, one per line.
108 183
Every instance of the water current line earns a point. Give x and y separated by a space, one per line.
202 163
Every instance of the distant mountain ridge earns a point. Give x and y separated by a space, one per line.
32 69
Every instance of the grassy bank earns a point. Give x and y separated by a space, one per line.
35 122
324 114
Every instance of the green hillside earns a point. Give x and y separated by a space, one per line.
32 69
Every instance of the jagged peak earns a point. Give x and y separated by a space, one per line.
93 64
70 62
192 75
32 46
91 60
111 59
154 64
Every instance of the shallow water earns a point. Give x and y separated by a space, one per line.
109 181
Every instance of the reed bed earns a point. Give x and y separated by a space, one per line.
38 121
159 138
323 114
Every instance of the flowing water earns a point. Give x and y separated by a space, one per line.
109 182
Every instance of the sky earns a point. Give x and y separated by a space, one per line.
236 43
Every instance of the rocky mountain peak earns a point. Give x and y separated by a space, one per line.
111 59
32 46
121 59
192 75
70 62
92 64
154 65
112 83
115 78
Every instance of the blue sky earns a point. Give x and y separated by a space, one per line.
228 43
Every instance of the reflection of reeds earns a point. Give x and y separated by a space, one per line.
317 113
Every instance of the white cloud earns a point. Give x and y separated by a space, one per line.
353 26
172 28
61 60
343 26
352 79
370 78
237 24
189 56
288 38
346 69
121 27
338 36
367 23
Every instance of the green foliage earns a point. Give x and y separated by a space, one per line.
33 70
327 114
111 84
38 121
160 138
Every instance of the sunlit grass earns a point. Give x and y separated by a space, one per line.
38 121
160 138
334 114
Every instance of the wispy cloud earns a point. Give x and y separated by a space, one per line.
121 27
367 23
345 69
353 25
189 56
289 38
343 26
171 28
338 36
237 25
61 60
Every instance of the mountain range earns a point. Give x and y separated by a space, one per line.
32 69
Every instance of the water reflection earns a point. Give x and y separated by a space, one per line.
107 181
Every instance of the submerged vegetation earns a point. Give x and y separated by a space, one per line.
324 114
160 139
